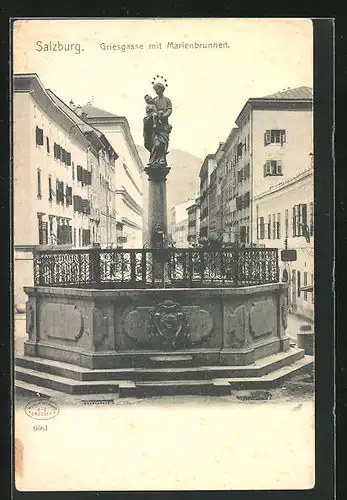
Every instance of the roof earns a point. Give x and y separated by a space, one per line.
91 132
93 112
49 102
82 125
299 98
297 93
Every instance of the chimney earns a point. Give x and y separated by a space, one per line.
78 110
72 104
84 115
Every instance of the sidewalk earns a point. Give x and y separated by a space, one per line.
294 323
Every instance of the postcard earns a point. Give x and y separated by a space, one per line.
164 226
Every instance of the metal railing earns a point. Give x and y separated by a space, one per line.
147 268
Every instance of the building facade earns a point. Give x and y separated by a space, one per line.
233 198
101 160
285 219
280 131
193 212
180 224
128 175
47 147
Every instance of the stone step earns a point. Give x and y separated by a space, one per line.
257 369
182 387
273 379
34 383
72 386
31 390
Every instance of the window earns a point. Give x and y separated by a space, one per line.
39 194
261 228
86 177
64 234
47 144
311 219
50 190
39 136
274 227
85 237
299 284
246 172
68 195
79 237
286 221
59 191
299 219
273 168
305 284
79 173
56 151
243 234
278 235
269 228
74 237
73 171
43 231
274 136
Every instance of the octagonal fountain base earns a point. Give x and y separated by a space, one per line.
156 342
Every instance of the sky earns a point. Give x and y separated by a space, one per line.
207 86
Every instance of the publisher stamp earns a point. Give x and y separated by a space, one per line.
41 410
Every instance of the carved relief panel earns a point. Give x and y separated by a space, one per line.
61 321
168 326
236 327
263 318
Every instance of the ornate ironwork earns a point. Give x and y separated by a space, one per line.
133 268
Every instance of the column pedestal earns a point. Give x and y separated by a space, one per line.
157 216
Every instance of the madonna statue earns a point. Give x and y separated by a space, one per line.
156 127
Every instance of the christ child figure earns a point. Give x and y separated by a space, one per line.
151 110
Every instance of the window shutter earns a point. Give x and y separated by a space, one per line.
302 218
38 183
293 223
283 136
79 173
68 159
262 228
267 137
279 168
44 232
39 136
47 144
278 226
49 188
269 168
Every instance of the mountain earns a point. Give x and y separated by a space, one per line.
183 179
